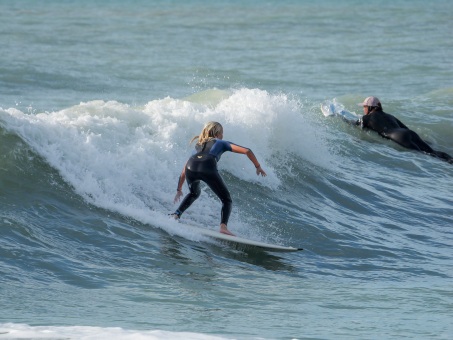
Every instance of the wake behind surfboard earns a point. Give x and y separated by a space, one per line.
237 240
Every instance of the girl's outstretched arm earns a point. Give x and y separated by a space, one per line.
240 149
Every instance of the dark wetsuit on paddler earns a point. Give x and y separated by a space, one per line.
392 128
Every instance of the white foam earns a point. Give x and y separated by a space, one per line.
128 159
23 331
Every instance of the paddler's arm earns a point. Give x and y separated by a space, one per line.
240 149
355 122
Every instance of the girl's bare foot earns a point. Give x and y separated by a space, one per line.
224 230
175 216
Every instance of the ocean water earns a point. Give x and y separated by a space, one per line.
98 102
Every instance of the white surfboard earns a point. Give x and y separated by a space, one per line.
242 241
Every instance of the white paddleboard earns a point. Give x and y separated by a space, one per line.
241 241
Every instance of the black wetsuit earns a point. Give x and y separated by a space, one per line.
202 166
390 127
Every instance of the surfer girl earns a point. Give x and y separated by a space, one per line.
390 127
202 166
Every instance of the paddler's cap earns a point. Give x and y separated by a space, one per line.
370 101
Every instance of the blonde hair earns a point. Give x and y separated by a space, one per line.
210 131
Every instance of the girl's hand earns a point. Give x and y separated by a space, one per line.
177 196
260 171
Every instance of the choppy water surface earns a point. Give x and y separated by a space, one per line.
98 104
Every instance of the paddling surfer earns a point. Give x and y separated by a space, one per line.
392 128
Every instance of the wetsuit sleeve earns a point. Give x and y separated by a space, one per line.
226 146
219 147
